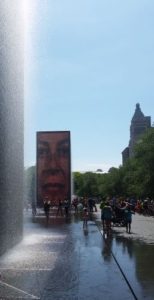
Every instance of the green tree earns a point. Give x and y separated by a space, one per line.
85 184
78 183
30 185
144 156
135 178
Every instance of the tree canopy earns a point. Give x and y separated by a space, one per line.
135 178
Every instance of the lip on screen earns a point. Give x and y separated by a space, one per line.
53 186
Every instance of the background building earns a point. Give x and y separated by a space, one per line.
11 122
139 124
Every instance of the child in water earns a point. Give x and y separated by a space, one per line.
128 217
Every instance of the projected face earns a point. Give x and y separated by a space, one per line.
53 165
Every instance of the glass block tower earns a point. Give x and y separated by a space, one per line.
11 123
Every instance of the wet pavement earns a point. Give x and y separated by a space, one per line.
135 254
63 261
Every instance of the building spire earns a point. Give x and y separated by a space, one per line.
138 115
137 105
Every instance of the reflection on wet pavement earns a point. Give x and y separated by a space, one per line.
136 260
63 261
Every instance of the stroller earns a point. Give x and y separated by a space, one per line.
118 218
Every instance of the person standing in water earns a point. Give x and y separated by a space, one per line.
128 217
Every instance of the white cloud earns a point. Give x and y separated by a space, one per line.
82 166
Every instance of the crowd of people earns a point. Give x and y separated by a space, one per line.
81 202
114 211
62 208
118 211
145 207
81 206
84 207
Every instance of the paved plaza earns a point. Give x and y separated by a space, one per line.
63 261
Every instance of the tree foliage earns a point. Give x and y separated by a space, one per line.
29 185
135 178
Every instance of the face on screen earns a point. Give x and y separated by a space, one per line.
53 165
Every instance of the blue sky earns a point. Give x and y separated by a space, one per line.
87 64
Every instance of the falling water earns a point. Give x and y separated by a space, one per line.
11 123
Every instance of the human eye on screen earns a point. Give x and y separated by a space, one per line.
63 151
43 152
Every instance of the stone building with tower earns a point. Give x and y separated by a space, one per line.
139 124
